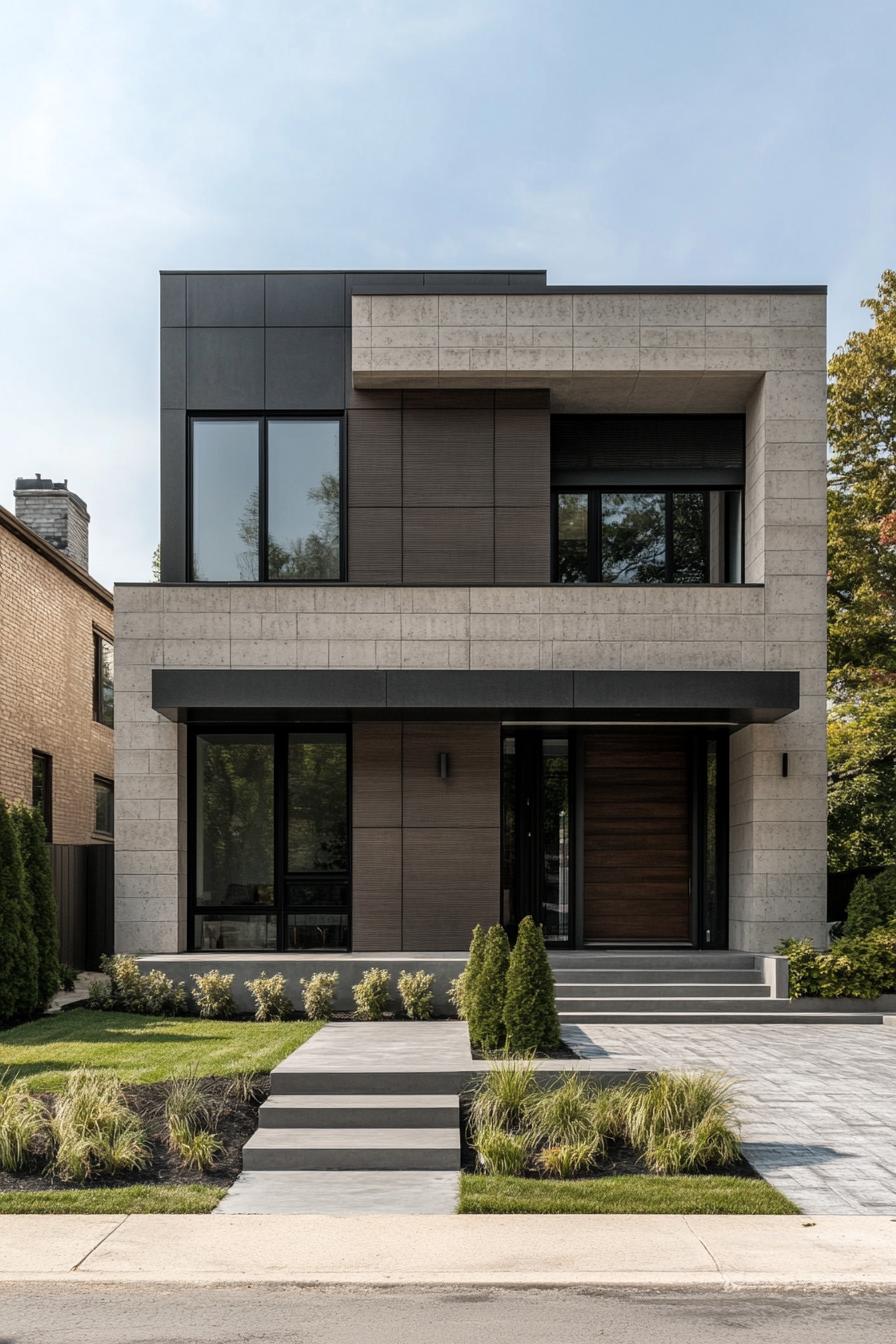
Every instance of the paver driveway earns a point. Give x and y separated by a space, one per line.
818 1103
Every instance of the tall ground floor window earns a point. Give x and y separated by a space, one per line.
269 832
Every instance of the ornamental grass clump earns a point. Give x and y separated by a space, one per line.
272 1003
188 1113
415 991
565 1160
94 1131
683 1122
371 995
503 1097
530 1009
500 1153
23 1125
318 994
567 1115
484 998
212 994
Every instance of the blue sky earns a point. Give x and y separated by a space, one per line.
665 143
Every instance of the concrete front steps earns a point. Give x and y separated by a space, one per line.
351 1132
677 987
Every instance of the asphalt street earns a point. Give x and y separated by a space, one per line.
58 1313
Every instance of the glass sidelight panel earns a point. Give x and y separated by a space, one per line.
555 839
235 819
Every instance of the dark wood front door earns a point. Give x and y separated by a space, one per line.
637 836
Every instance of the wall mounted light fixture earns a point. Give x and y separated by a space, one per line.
785 764
444 765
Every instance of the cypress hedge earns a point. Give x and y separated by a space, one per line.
35 853
486 1004
18 946
473 969
530 1009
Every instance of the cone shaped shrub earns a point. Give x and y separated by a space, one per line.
18 950
485 1005
530 1010
35 853
470 975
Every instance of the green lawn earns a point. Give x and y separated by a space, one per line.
123 1199
143 1049
621 1194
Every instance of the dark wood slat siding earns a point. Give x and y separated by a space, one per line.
448 546
376 837
448 459
374 545
637 836
450 487
471 795
451 883
374 458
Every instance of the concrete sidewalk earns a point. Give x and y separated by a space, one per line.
509 1251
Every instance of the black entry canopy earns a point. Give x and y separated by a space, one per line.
735 698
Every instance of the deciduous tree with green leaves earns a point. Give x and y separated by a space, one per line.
862 590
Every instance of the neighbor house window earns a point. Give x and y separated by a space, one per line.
104 806
103 680
266 499
271 840
647 536
42 788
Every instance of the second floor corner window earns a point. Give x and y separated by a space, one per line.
267 499
104 806
103 680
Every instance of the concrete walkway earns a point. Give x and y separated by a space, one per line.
501 1250
817 1103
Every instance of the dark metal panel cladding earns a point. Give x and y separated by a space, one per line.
172 300
225 368
311 299
374 545
173 494
232 300
304 369
498 690
612 442
173 368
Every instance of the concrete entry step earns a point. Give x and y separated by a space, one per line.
342 1193
379 1149
380 1082
347 1111
646 961
568 995
669 1016
629 975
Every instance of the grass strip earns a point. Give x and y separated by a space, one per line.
621 1194
117 1199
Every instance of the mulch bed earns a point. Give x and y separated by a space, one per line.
233 1121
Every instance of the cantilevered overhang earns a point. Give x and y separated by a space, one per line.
725 698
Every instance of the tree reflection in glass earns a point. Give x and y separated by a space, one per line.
234 819
317 784
633 538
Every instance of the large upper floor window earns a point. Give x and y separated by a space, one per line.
647 499
266 499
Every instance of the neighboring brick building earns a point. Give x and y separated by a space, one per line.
55 667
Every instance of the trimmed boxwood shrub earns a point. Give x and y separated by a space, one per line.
530 1009
485 1005
854 968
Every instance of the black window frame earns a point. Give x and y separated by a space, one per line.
46 810
100 781
262 420
99 639
280 908
594 561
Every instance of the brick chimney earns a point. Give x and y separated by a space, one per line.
56 513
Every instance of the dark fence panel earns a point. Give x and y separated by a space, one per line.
84 882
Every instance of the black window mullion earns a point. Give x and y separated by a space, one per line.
281 822
263 499
595 564
670 534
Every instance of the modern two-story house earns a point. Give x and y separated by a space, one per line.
479 597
